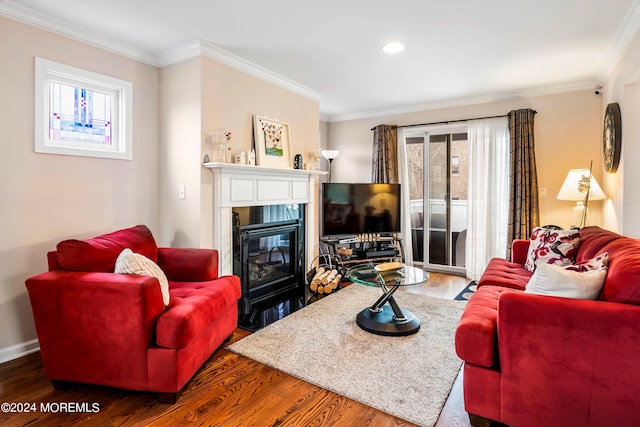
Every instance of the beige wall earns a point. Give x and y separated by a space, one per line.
47 198
623 210
230 99
180 154
567 132
201 95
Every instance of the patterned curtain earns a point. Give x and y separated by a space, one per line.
385 155
524 211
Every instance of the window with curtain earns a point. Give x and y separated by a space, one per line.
484 162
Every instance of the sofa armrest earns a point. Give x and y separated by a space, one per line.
565 357
519 250
188 264
95 327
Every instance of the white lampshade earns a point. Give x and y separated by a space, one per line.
330 154
573 190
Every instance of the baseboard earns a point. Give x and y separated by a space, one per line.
19 350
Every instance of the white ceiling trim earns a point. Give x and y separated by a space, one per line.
181 53
627 32
466 101
204 48
29 16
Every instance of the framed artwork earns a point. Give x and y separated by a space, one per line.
272 143
82 113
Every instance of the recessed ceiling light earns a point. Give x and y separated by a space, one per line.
393 47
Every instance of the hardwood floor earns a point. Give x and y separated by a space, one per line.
228 390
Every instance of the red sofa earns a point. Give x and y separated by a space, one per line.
98 327
536 360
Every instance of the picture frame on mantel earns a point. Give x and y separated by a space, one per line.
272 142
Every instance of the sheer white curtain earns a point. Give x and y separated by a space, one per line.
488 200
403 177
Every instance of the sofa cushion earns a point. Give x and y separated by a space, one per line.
592 242
501 272
623 278
99 254
194 307
552 247
477 332
131 263
553 280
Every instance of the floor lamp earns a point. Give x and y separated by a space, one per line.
330 155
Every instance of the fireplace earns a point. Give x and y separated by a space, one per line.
268 256
238 187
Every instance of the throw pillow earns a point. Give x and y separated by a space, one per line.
595 263
554 280
132 263
552 247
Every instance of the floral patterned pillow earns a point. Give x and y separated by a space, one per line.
557 247
596 263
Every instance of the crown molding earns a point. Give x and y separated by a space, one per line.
463 102
204 48
627 32
181 53
29 16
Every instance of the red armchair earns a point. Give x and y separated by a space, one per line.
98 327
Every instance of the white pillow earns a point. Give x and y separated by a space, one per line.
132 263
551 279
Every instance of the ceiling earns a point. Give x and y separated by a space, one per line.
457 52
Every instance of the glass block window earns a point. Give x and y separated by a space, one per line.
82 113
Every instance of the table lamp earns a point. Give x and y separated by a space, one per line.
330 155
580 186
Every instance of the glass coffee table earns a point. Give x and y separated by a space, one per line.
385 316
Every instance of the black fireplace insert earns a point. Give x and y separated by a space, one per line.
268 256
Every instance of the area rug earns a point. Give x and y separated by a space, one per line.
466 293
408 377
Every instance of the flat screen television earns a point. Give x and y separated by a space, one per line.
360 208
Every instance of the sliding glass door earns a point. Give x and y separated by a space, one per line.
438 178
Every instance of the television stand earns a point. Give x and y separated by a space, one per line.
363 250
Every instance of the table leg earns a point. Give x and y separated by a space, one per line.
388 320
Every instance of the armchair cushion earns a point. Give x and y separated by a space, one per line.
130 263
99 254
188 264
194 307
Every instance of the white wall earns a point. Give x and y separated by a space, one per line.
47 198
567 136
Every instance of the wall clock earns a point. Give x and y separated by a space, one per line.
612 137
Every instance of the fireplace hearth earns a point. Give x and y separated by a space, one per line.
268 256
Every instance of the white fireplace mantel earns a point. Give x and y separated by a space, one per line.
243 185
